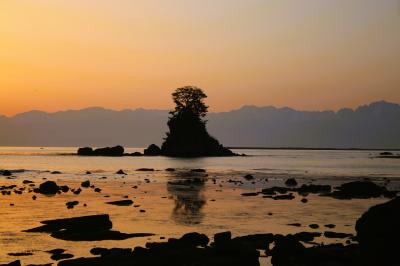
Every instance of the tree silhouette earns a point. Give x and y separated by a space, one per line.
188 136
190 98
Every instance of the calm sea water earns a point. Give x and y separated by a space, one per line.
310 163
211 206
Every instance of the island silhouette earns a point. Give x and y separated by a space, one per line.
187 136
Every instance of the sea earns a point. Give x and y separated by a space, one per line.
169 205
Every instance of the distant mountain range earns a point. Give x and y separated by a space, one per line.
376 125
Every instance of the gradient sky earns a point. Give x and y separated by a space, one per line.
306 54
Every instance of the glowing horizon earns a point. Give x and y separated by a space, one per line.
308 55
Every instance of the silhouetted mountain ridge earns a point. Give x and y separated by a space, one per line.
376 125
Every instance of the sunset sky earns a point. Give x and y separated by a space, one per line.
306 54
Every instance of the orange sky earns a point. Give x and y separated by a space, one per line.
306 54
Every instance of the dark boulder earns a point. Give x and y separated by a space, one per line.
359 189
61 256
6 173
306 236
194 240
91 222
378 232
107 151
120 172
48 188
255 241
291 182
121 203
289 196
286 251
304 189
223 237
85 228
152 150
330 234
85 184
248 177
86 151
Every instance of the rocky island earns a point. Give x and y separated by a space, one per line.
187 136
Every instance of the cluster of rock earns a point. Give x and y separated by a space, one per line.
350 190
377 230
388 155
154 150
190 249
108 151
85 228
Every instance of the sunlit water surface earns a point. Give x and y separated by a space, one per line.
209 206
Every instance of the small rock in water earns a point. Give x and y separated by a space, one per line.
71 204
7 173
121 203
314 226
199 170
330 226
248 177
295 224
291 182
284 197
61 256
48 188
121 172
250 194
145 169
77 191
85 184
56 251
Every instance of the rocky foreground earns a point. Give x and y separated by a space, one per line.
378 233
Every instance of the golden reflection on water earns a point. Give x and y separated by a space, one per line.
174 203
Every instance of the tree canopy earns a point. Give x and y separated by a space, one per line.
190 98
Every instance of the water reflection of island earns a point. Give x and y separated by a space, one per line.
188 194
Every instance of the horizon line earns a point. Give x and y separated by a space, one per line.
166 110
